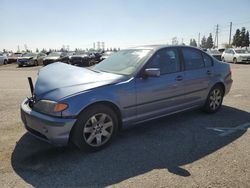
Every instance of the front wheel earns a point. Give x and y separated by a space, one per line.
234 60
214 99
95 128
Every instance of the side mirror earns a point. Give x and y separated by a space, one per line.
152 72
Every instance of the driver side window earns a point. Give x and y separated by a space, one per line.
167 60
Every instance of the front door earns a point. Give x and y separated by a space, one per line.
157 96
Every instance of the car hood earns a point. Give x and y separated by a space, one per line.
79 56
26 57
52 58
59 80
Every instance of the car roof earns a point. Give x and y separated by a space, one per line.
159 46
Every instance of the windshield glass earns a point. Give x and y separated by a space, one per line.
28 54
124 62
53 54
80 53
214 52
107 53
241 51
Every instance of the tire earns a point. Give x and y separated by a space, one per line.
235 61
91 63
89 132
36 63
5 62
214 99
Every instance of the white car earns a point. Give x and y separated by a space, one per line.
3 58
236 55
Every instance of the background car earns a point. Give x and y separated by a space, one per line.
215 53
56 56
31 59
105 55
236 55
13 57
3 58
81 58
88 106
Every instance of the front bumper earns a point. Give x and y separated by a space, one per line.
26 63
54 130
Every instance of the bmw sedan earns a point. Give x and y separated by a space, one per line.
88 106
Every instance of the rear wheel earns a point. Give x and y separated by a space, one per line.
5 62
91 63
234 60
214 99
95 128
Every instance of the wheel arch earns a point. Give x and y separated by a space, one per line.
221 84
112 105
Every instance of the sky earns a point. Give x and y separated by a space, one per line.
118 23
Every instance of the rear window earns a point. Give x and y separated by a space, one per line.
207 60
192 58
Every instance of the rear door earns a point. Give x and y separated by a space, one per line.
157 96
198 73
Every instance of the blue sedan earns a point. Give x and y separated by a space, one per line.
88 106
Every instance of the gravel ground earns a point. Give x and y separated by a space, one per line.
191 149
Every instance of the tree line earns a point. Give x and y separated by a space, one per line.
205 42
240 39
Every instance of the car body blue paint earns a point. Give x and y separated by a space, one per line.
137 98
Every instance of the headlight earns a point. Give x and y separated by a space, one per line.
49 107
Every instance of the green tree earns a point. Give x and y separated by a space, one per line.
209 43
242 37
193 42
247 39
204 42
236 39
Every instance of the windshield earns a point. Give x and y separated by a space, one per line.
28 54
107 53
124 62
241 51
214 52
53 54
80 53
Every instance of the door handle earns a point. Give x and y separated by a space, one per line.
209 72
179 78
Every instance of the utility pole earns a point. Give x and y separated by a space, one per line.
217 32
199 36
230 33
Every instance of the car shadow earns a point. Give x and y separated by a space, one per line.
167 143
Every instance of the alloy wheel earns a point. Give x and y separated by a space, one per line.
98 129
215 99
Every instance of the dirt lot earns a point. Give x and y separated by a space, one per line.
191 149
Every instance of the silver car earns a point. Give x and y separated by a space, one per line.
3 59
236 55
87 106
